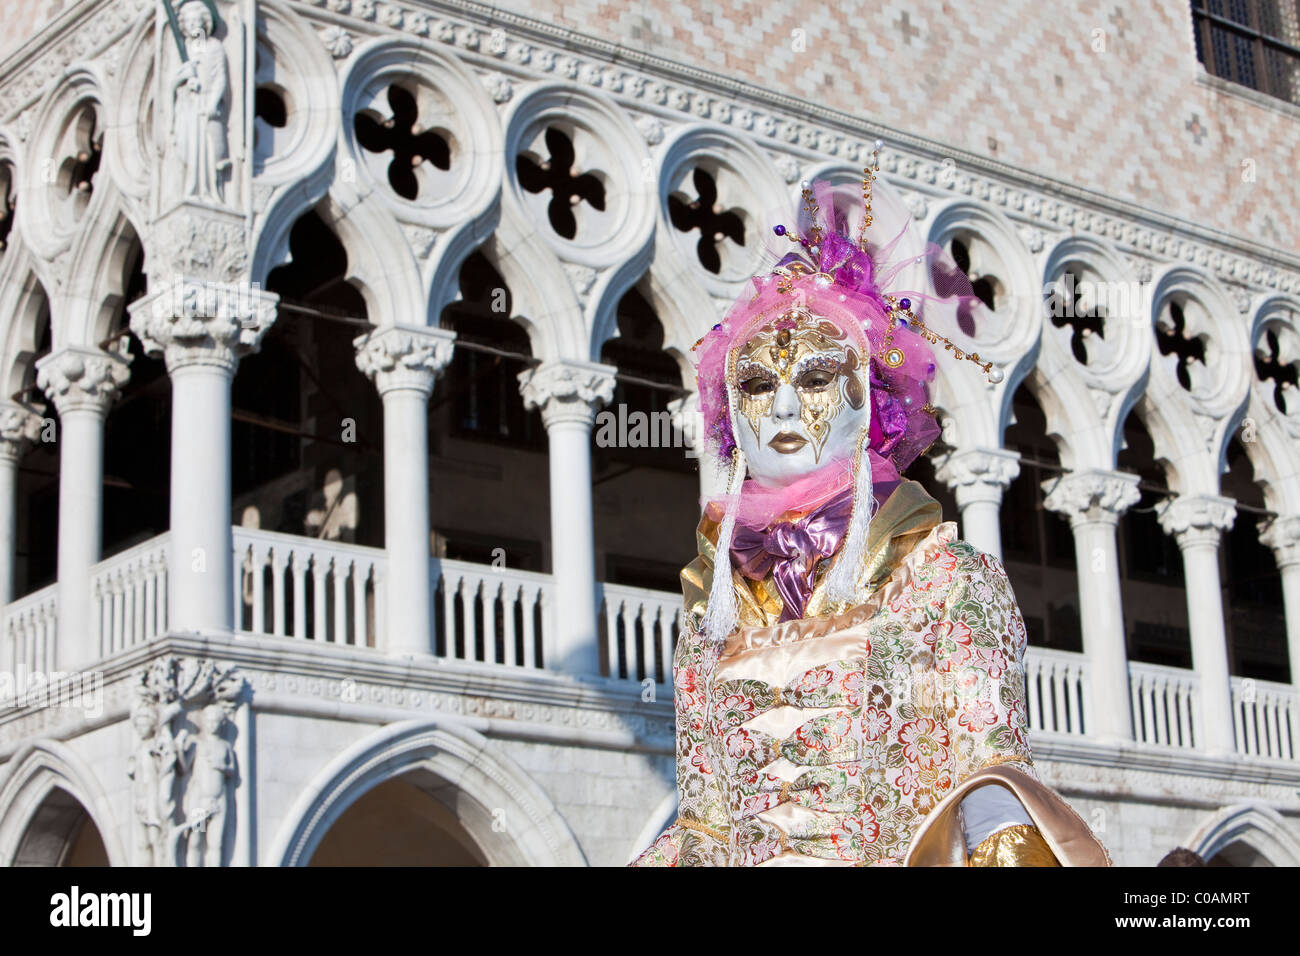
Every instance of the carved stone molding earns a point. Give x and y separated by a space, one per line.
582 277
525 48
201 322
77 378
404 357
19 426
202 242
421 239
1092 495
1197 519
979 474
567 391
1282 534
499 87
338 41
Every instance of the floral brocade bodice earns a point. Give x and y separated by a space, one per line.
827 740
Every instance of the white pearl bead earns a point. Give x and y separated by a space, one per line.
996 376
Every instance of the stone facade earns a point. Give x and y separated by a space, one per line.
270 695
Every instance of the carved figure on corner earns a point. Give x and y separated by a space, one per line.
152 769
209 761
200 101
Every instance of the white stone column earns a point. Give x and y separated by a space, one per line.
19 427
569 393
404 362
201 328
1093 500
1282 534
688 423
82 383
1197 523
978 477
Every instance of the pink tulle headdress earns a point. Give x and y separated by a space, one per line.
899 300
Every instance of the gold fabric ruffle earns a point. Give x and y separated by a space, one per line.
901 524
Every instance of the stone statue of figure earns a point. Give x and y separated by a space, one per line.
210 765
200 100
152 769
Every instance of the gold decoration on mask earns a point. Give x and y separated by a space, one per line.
808 353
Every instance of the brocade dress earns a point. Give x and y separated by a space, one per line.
826 740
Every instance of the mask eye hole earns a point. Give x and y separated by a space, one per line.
757 385
817 379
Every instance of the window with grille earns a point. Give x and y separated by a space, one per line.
1252 42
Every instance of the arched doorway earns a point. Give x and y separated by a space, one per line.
1239 853
61 833
401 822
504 813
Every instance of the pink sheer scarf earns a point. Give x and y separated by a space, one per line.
761 505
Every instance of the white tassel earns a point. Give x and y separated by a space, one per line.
722 615
842 580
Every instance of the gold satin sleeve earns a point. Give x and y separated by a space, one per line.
1019 845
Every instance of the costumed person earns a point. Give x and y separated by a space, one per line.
849 684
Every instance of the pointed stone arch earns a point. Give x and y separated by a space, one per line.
381 265
1200 422
1274 450
545 303
94 295
683 305
1255 824
491 790
24 300
1072 420
1096 397
34 773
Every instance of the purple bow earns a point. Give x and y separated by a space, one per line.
790 551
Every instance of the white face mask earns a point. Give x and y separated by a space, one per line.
802 400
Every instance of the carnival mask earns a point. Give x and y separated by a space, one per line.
801 396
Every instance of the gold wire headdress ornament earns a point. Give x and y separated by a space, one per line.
889 354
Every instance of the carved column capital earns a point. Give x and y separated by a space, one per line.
404 358
193 321
1197 519
77 378
1282 534
979 474
567 391
19 426
1092 495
